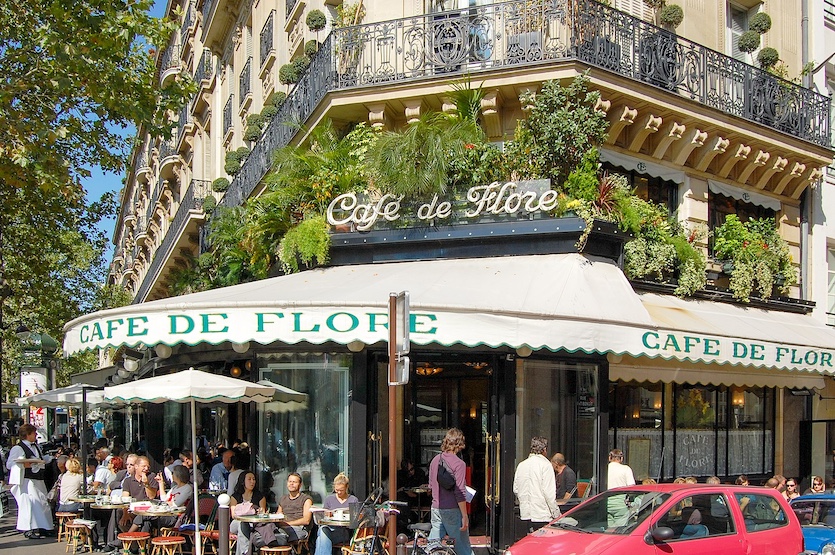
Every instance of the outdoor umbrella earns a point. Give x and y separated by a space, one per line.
190 386
289 400
81 395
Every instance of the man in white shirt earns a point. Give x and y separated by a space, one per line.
34 517
535 487
103 475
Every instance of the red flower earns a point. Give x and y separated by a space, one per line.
469 146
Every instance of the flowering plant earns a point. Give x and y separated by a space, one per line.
759 257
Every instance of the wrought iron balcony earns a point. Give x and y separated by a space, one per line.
245 81
171 56
267 38
208 5
188 20
205 67
227 114
290 5
192 200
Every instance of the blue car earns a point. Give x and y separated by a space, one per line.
816 514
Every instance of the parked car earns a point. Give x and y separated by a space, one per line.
816 514
676 519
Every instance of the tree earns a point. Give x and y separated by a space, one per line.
73 78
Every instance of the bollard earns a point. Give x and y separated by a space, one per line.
223 524
402 540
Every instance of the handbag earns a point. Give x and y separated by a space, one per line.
53 494
243 508
446 479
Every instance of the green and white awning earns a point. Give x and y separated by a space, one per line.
558 302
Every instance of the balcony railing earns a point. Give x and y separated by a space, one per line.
829 11
171 56
207 11
527 33
188 19
227 114
168 147
267 38
290 5
192 200
205 67
245 81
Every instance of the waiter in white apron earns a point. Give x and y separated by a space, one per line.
34 517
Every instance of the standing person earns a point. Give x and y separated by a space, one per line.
535 487
339 499
566 477
619 474
449 507
34 517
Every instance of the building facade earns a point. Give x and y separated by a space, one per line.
697 386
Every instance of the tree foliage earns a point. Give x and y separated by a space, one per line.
74 76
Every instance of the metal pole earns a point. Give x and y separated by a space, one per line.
81 437
223 522
392 415
198 540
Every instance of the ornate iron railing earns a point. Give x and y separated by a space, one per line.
267 38
184 119
171 56
168 147
290 5
188 19
205 67
227 114
192 200
208 5
245 81
829 10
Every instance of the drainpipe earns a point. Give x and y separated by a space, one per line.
804 41
806 206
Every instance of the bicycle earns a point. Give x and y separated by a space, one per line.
369 519
422 545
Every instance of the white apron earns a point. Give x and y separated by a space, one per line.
32 507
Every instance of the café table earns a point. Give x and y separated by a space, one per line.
86 501
159 511
422 510
109 529
255 519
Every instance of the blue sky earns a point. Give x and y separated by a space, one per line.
100 182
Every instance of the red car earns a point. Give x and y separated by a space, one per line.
672 519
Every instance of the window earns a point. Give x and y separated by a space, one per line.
720 207
761 511
699 516
830 295
649 188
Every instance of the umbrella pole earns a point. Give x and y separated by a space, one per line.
198 538
81 440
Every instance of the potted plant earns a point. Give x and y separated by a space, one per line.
348 42
316 21
288 74
757 257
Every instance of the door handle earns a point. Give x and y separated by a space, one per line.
497 443
488 494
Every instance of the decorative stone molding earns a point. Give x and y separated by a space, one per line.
602 106
696 140
759 161
778 166
527 97
490 105
624 117
797 172
650 127
676 130
413 109
719 147
377 116
742 152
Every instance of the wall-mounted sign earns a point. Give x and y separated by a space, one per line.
495 200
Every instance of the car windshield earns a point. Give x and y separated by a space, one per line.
614 512
818 512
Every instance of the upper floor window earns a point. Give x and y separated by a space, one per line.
830 295
646 187
721 206
737 22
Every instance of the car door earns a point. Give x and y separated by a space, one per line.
702 524
769 529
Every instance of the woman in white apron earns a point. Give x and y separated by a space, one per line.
34 516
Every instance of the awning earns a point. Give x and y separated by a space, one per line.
639 165
744 195
557 302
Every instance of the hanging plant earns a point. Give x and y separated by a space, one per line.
307 243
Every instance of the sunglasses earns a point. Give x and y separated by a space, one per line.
791 485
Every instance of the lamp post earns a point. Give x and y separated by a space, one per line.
39 357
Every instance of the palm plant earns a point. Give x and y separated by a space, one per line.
416 161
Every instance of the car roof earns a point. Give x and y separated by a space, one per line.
695 488
815 497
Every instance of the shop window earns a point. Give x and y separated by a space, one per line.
306 431
692 430
649 188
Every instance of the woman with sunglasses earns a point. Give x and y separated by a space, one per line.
791 489
817 486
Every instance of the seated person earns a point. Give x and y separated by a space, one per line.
296 509
408 478
247 492
693 527
334 535
180 494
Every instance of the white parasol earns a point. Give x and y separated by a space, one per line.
190 386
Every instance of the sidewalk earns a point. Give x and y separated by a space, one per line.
10 538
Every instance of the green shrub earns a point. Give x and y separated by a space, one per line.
749 41
671 15
316 20
209 204
760 23
257 120
242 153
220 185
288 74
308 242
232 167
252 132
767 57
311 47
276 98
301 64
269 112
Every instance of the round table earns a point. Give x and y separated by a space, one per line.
273 517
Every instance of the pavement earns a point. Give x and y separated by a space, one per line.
11 539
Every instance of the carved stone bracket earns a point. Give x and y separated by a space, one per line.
490 106
719 147
742 152
695 139
778 166
759 161
624 117
650 127
676 130
797 172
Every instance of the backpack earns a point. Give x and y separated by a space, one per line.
446 479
